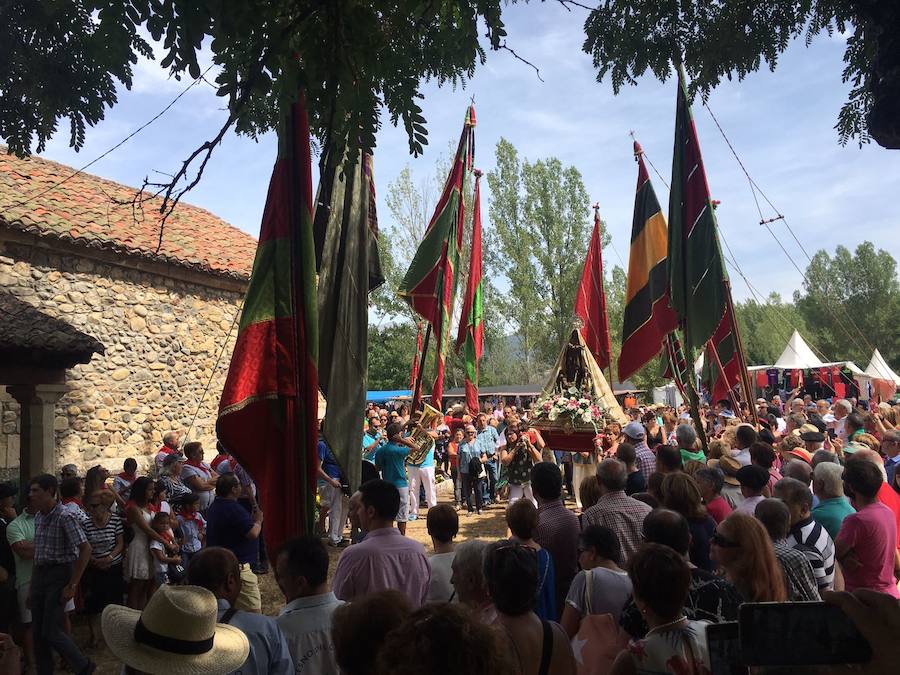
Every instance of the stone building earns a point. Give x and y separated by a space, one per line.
162 306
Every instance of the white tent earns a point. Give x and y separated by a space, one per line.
879 369
797 355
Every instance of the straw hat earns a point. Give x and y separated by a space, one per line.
801 453
176 634
729 466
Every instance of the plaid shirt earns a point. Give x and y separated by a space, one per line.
624 516
558 531
798 573
646 460
57 536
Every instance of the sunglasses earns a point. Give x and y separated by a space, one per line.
723 542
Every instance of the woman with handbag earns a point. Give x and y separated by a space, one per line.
602 587
471 470
518 456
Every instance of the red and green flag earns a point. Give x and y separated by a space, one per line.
430 283
696 269
471 325
721 365
267 413
700 293
648 318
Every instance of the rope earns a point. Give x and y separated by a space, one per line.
42 192
765 222
732 260
212 374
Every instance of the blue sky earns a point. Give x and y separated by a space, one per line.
780 123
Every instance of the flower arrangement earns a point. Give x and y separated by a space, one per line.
571 406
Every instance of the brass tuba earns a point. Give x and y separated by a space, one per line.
420 437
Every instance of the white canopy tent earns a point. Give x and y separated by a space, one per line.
879 369
797 355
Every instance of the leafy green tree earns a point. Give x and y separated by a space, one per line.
391 351
353 58
851 302
540 226
727 39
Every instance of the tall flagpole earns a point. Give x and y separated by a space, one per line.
417 392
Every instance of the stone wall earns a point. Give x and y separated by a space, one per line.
165 342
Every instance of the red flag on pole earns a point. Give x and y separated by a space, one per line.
268 410
590 302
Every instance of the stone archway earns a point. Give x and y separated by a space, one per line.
35 352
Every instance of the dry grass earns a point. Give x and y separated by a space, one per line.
489 526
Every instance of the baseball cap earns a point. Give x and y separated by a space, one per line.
634 430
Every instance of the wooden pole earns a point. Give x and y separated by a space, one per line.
742 359
417 392
710 347
694 400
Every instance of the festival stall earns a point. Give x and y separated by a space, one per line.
884 380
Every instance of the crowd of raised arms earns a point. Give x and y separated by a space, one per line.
617 559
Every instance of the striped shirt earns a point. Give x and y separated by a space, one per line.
103 539
809 533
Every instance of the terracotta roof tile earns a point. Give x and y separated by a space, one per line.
84 211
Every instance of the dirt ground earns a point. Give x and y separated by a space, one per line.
489 526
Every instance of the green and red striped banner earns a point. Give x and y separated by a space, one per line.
471 325
696 269
267 413
430 283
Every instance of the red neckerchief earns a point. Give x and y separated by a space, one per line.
130 477
166 450
73 500
190 515
198 464
167 535
152 508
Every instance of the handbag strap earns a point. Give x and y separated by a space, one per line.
228 615
588 580
546 648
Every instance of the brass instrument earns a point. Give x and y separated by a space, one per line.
420 437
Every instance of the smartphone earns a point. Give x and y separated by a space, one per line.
724 646
832 434
799 633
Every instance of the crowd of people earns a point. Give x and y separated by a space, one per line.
798 503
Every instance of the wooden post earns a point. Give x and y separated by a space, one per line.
742 359
417 392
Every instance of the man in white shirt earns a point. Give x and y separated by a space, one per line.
217 570
301 570
841 408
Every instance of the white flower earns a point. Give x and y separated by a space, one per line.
553 415
586 417
574 391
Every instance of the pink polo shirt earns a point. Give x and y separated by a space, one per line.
872 534
384 560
